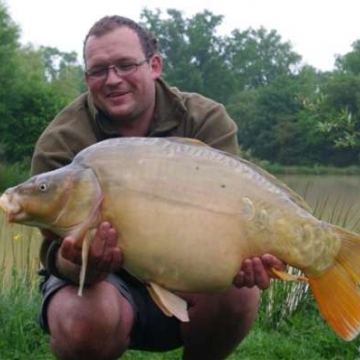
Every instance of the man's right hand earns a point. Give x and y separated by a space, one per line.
104 255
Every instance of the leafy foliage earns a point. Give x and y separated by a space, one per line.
257 57
35 85
195 57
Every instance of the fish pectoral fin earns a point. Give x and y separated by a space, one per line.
282 275
169 303
84 257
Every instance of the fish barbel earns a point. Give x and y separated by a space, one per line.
187 215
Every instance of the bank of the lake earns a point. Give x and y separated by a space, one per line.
308 170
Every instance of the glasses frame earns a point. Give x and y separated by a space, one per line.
104 73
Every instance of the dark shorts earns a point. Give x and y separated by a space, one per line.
152 330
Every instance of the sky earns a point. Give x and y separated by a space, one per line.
317 29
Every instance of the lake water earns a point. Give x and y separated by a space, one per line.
335 198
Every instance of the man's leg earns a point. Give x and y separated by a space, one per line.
218 322
94 326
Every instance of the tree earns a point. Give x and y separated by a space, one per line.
337 111
63 71
198 59
269 121
258 57
350 62
35 85
195 57
9 35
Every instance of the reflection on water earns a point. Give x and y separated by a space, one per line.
333 197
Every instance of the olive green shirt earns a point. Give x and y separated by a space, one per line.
81 124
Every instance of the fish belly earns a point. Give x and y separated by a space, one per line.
180 247
188 246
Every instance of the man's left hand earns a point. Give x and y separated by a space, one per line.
256 271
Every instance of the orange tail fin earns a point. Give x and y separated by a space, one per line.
336 291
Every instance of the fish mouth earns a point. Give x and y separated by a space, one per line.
10 206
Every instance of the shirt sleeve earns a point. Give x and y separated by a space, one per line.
70 132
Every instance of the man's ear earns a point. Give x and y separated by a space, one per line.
156 65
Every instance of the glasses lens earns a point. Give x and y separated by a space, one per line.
125 69
98 72
121 69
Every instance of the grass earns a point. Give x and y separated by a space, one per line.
300 335
21 337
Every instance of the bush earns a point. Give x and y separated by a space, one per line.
11 175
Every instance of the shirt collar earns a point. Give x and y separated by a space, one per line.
169 110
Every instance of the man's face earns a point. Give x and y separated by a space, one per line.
123 98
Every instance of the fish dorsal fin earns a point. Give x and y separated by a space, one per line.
187 141
168 302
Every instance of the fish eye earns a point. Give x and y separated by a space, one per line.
43 187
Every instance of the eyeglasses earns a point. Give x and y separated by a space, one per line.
121 69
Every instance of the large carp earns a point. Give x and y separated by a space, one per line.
187 216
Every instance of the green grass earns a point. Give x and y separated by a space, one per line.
21 337
299 335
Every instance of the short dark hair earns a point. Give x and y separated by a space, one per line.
148 41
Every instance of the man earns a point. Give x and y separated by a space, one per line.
127 98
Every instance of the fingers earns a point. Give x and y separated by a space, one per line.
261 277
69 251
100 242
104 255
255 271
270 261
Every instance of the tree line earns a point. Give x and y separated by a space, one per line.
287 112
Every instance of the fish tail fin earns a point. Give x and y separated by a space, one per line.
336 291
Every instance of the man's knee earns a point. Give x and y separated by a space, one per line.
243 302
218 322
97 325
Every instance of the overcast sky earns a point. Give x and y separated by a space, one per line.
317 29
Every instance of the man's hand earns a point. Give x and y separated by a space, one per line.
255 271
104 256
